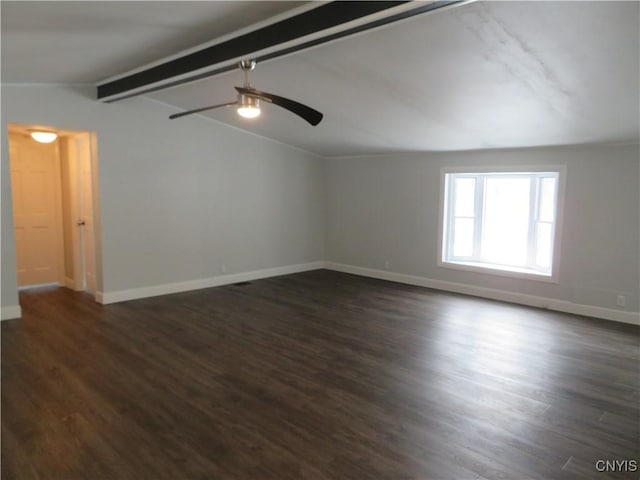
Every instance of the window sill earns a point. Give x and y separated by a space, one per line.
499 270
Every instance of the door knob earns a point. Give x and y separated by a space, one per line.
81 223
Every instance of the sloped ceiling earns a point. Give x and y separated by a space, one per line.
89 41
482 75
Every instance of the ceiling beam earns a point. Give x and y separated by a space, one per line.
328 22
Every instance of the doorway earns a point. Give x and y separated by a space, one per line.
53 189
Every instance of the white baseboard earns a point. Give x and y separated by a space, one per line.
10 312
39 285
168 288
491 293
14 311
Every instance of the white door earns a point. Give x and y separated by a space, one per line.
86 217
35 186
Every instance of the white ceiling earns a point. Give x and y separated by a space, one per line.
89 41
482 75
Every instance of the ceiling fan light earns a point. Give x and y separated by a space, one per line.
248 107
248 111
43 137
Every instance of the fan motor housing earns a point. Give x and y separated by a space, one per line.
247 101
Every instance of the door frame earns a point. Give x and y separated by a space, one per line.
77 251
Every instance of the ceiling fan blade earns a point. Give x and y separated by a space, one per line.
197 110
309 114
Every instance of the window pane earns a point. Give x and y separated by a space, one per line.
506 221
543 253
464 199
463 237
547 199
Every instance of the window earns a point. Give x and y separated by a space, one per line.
503 221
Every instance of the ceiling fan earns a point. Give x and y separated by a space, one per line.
248 101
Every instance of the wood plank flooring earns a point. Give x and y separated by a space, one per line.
318 375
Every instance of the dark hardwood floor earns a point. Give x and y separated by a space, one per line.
318 375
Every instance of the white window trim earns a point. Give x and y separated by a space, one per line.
500 270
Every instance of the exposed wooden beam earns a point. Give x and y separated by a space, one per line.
311 28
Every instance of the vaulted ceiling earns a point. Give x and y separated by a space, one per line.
480 75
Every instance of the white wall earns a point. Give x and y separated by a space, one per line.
387 209
177 198
8 287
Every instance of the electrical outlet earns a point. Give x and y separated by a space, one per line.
621 301
223 268
387 265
